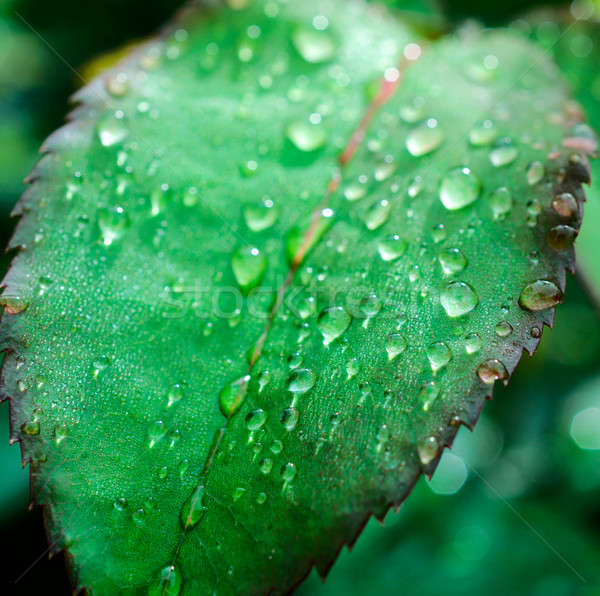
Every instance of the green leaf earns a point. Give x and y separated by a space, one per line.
227 346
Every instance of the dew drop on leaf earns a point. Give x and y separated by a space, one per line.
333 321
452 261
113 222
391 247
256 419
427 449
289 418
301 381
306 137
501 202
540 295
194 508
314 45
458 298
459 188
424 139
156 432
395 344
439 355
428 394
561 237
168 582
503 153
378 214
111 130
483 133
491 371
174 395
503 329
249 266
262 216
565 204
232 396
535 172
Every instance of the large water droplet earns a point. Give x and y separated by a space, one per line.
113 222
540 295
452 261
424 139
458 298
314 45
262 216
491 371
248 265
392 247
168 582
232 396
305 136
256 419
439 355
301 381
459 188
333 321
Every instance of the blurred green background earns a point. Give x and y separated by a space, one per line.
514 507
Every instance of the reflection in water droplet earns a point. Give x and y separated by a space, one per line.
392 247
459 188
332 322
305 136
424 139
540 295
452 261
439 355
248 265
491 371
458 298
503 329
111 130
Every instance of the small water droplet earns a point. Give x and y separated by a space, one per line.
168 582
565 204
472 343
535 172
194 509
459 188
111 130
256 419
276 447
452 261
232 396
261 498
288 473
540 295
120 504
428 394
439 355
491 371
100 364
370 306
378 214
424 139
305 136
483 133
314 46
503 153
266 465
395 344
561 237
503 329
354 192
262 216
31 428
249 266
289 418
427 449
438 233
333 321
174 395
301 381
113 222
392 247
156 432
501 202
458 298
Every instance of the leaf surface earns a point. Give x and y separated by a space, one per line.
259 289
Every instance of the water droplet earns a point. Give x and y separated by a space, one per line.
276 447
156 432
301 381
395 344
352 369
539 295
459 188
501 202
354 192
483 133
565 204
315 46
458 298
113 222
333 321
60 434
261 498
307 307
232 396
249 266
378 214
295 360
439 234
424 139
289 418
428 394
266 465
561 237
238 493
427 449
306 137
472 343
194 509
117 84
415 187
392 247
262 216
535 172
370 306
174 394
256 419
163 472
168 582
452 261
288 473
111 130
31 428
503 329
439 355
491 371
100 364
120 504
503 153
383 171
